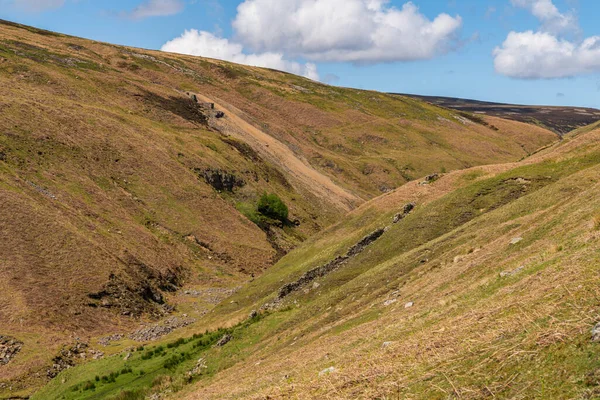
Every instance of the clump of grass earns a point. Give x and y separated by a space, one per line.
172 362
596 222
176 343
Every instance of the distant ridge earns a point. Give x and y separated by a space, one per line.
559 119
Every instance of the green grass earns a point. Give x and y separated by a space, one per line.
444 225
109 377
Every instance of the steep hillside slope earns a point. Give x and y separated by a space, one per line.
124 200
487 288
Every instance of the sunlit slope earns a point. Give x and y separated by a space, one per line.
442 304
111 206
487 288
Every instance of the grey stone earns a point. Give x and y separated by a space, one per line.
153 332
327 371
224 340
516 240
504 274
408 208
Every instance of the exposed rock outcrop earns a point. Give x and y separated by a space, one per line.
68 357
138 289
323 270
430 179
105 341
9 348
153 332
408 208
221 180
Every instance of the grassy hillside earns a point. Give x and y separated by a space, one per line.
487 289
125 202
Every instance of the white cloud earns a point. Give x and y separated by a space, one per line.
536 55
547 53
205 44
552 19
360 31
37 5
156 8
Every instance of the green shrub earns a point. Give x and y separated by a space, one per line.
270 205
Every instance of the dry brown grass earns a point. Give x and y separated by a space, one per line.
472 334
99 148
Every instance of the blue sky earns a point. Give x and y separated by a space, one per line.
518 51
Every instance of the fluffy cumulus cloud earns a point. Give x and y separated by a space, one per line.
535 55
36 5
552 19
547 53
271 33
359 31
201 43
156 8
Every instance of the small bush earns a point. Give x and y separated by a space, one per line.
270 205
